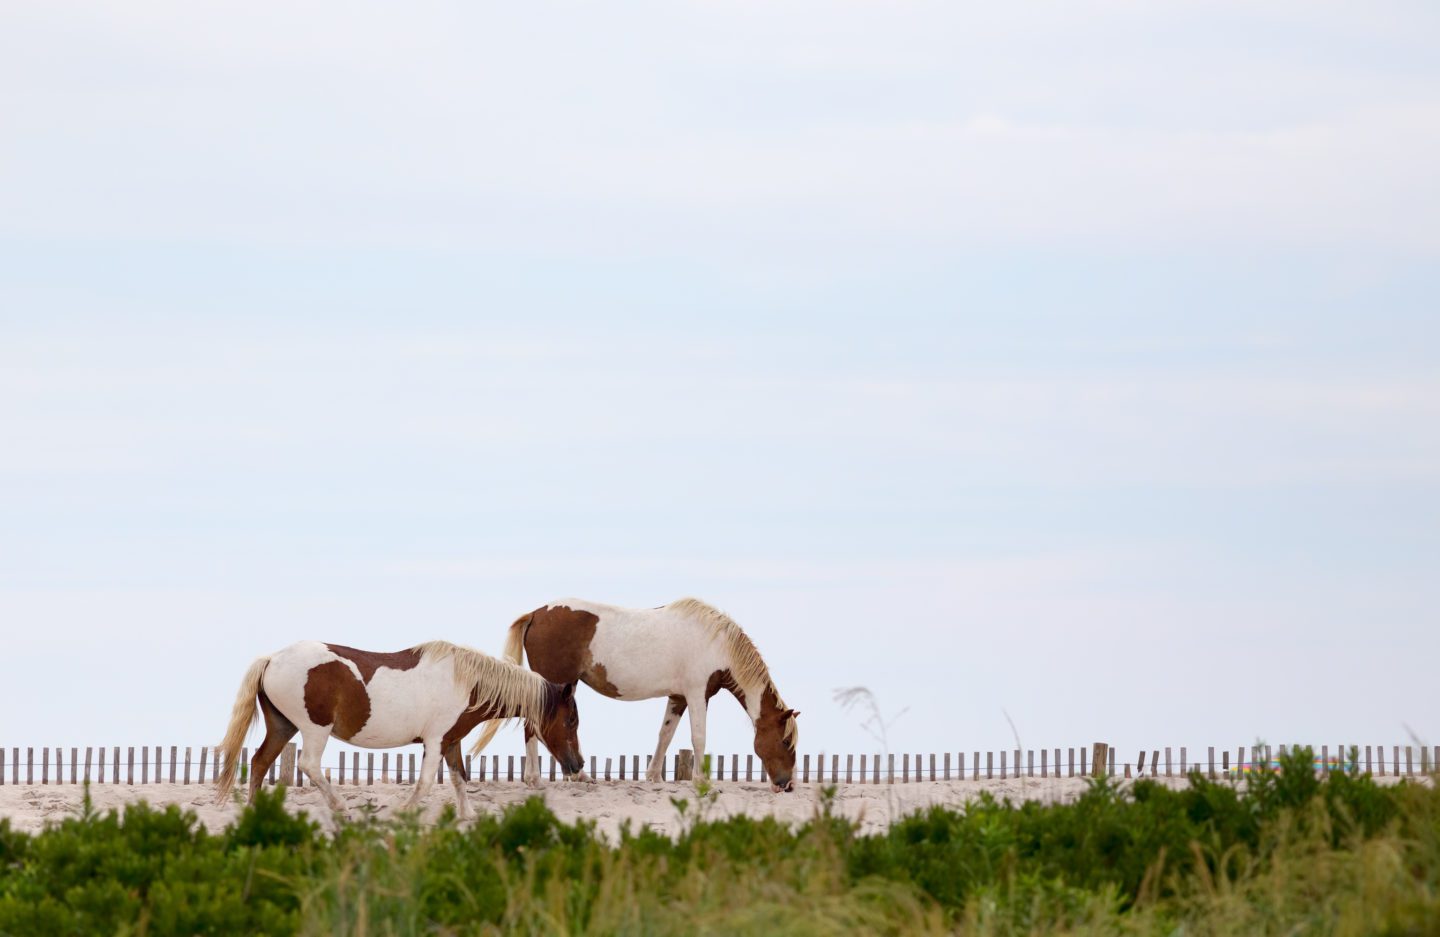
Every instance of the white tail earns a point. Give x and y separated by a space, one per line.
240 718
515 653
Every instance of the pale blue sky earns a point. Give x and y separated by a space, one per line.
1080 363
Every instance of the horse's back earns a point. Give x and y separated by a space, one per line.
638 653
372 699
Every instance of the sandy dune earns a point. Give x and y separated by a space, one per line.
609 804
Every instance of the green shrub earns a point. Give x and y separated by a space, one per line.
1292 853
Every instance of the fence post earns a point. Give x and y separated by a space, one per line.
287 764
890 774
1099 760
685 765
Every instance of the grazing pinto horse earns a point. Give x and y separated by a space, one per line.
433 693
687 651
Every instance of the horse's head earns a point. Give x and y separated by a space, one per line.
559 727
775 739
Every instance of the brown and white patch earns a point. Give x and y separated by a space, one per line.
558 644
335 697
367 662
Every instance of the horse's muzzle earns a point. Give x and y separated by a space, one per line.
785 788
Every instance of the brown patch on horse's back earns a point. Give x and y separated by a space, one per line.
558 642
335 697
367 662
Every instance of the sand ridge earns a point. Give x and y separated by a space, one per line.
609 804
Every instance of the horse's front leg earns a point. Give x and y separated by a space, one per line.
674 709
458 777
428 767
697 738
532 758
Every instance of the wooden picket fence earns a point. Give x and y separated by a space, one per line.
189 765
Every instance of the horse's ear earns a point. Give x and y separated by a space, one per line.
793 713
567 691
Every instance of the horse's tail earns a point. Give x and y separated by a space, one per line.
240 718
515 653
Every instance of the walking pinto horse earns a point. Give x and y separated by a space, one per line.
687 651
433 693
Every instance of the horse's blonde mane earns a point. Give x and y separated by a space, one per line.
747 667
497 683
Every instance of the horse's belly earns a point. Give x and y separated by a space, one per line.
646 665
406 706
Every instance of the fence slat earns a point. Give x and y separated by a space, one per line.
890 779
100 769
849 768
1099 761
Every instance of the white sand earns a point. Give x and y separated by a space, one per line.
609 804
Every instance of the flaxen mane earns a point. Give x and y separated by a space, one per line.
496 683
747 667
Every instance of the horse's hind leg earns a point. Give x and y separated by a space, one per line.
278 731
674 709
458 777
312 760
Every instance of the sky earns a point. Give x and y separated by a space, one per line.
1061 373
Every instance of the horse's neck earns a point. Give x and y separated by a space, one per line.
496 710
